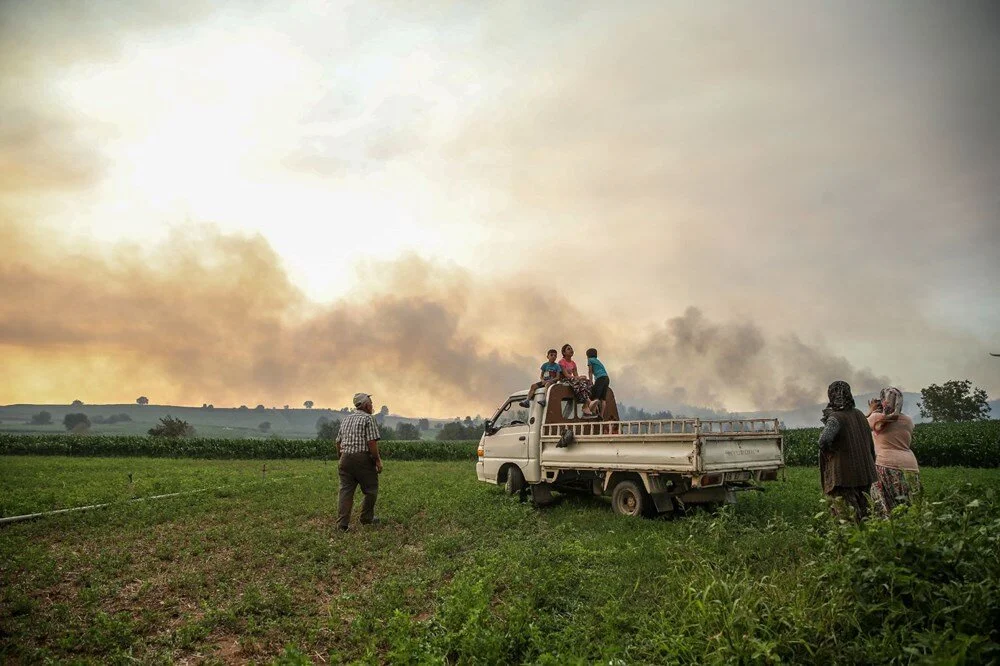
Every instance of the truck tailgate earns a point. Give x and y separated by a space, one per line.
725 453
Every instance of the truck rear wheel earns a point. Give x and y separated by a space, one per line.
630 499
515 481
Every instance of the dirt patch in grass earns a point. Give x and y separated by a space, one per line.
227 648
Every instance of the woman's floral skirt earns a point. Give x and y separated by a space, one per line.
892 488
581 388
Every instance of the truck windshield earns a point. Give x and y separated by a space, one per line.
510 414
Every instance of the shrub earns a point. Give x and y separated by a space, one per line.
407 431
327 429
172 427
929 579
76 422
41 418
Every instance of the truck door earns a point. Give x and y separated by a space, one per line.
507 439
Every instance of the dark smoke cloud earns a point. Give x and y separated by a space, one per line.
693 360
212 317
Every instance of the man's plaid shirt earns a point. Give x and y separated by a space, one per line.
356 430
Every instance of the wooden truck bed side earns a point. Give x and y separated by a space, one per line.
669 445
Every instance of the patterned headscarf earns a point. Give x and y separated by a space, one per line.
892 406
841 399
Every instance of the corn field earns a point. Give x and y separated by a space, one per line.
974 444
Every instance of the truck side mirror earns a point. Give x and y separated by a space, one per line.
488 427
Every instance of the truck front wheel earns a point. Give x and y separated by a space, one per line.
630 499
515 481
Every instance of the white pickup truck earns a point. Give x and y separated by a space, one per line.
647 467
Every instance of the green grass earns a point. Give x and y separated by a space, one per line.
30 484
460 573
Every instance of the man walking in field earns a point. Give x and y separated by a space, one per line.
360 463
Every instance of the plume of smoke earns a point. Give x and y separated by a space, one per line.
214 317
696 361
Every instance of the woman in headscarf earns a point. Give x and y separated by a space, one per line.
895 465
846 453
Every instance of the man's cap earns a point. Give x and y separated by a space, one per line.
359 399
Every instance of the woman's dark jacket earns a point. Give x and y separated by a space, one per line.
849 460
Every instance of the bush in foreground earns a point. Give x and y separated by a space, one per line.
924 587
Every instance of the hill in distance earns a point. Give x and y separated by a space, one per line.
208 422
301 423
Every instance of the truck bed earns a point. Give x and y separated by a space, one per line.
671 445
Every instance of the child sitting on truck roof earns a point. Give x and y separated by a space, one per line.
581 385
599 375
549 375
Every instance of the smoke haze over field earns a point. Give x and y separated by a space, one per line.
287 201
210 317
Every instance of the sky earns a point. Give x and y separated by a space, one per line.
272 202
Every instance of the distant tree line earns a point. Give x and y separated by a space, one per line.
114 418
627 413
328 429
468 428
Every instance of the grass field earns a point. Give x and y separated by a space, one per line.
460 573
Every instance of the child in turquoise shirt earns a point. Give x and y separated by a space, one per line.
599 375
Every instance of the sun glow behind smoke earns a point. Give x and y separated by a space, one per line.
202 130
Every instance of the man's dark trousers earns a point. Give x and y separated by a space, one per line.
357 469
